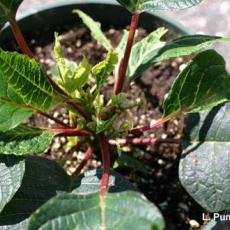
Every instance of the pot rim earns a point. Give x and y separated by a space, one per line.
61 3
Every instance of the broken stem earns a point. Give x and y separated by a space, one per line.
106 163
124 62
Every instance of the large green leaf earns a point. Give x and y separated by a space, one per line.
203 84
8 9
126 210
12 115
89 183
205 165
95 29
24 140
152 5
11 174
23 82
42 180
152 50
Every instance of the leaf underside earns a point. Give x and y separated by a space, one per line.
11 174
42 180
204 168
152 5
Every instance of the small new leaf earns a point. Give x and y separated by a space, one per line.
203 84
24 140
72 77
95 29
103 69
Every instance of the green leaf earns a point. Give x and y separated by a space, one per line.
95 29
152 50
8 10
126 210
121 101
203 84
204 167
90 181
152 5
12 115
11 174
72 77
143 52
103 69
22 82
103 125
43 179
24 140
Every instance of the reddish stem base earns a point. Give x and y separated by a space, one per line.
106 163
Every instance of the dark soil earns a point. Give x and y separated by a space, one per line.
160 184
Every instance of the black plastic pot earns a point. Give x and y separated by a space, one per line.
108 12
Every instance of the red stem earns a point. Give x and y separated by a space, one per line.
70 132
20 39
157 124
87 156
124 62
144 141
106 163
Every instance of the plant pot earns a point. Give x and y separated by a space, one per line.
107 12
53 17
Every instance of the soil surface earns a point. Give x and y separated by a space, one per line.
160 184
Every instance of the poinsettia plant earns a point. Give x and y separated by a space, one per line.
36 193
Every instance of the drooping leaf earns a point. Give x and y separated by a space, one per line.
11 174
152 5
203 84
95 29
42 180
104 68
8 10
152 50
125 210
90 181
24 140
23 82
204 167
12 115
